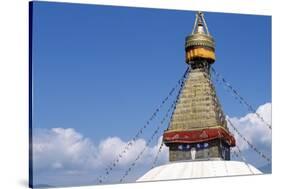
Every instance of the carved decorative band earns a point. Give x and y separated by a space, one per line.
196 136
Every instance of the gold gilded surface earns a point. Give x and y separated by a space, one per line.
199 39
196 53
198 106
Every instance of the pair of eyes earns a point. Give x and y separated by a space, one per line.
187 146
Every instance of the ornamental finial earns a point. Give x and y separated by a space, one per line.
200 44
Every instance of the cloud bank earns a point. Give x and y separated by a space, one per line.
255 130
68 150
65 151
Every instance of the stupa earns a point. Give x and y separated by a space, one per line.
198 138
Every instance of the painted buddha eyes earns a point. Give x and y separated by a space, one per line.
184 147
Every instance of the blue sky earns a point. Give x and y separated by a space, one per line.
102 70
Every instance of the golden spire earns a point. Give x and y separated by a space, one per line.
198 128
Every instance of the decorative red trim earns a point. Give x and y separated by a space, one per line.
201 135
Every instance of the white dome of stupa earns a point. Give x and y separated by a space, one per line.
199 169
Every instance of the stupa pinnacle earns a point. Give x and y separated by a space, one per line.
198 128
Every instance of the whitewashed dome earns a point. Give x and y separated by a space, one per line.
198 169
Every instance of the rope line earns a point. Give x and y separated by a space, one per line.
235 154
244 159
239 97
157 155
181 83
249 143
148 142
114 163
176 102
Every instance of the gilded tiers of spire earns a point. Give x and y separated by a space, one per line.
198 106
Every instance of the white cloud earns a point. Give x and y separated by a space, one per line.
67 150
60 148
255 130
